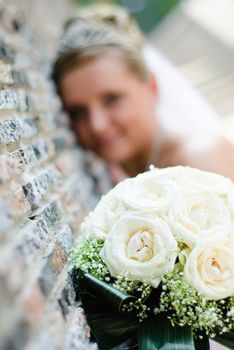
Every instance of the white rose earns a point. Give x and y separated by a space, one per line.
195 215
199 179
188 177
136 198
127 197
99 222
158 188
210 268
143 247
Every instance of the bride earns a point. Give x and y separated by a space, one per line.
126 114
113 103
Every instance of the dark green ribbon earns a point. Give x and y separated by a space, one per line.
226 339
103 306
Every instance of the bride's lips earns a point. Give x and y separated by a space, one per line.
105 143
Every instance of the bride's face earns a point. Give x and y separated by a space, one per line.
111 108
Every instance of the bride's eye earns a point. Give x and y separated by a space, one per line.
111 99
77 113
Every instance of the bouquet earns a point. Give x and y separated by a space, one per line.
155 260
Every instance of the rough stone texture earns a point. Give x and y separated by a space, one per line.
45 186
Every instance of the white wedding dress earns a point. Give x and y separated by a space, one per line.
180 107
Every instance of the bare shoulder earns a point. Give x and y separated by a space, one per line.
208 152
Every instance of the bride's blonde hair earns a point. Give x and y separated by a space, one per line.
116 16
97 32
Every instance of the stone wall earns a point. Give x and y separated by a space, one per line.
45 190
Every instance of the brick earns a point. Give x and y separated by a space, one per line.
12 76
10 131
56 261
78 195
9 315
44 102
14 206
19 325
47 122
63 119
14 164
28 307
11 99
18 204
77 336
32 302
39 186
5 52
21 60
56 336
97 168
37 79
70 201
64 237
17 258
11 276
20 78
46 192
63 139
29 127
4 175
69 162
16 339
42 341
11 17
39 231
42 149
67 297
51 214
5 217
6 74
52 332
16 129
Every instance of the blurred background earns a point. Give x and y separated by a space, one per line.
147 12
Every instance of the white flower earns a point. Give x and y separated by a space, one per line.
127 197
137 197
195 215
202 180
162 193
99 222
210 268
142 247
187 176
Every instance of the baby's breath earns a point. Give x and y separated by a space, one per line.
187 307
139 289
88 259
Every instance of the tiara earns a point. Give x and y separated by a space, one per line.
83 32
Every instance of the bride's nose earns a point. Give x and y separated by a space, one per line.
98 120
